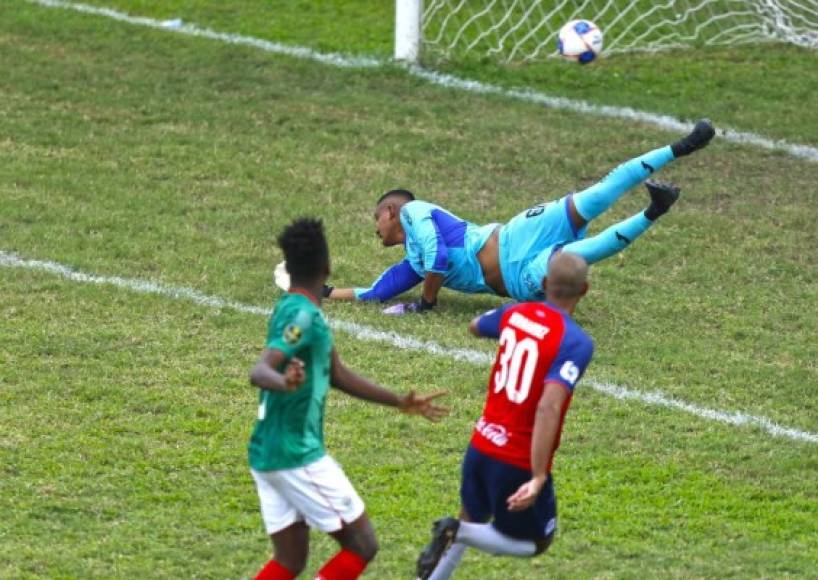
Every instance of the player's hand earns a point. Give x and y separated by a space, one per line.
294 374
414 404
526 495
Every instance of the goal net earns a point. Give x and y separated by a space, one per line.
522 30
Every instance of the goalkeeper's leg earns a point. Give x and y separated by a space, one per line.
594 249
619 236
591 202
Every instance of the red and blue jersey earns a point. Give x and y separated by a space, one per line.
539 344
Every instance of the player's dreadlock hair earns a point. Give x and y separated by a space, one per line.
404 193
305 248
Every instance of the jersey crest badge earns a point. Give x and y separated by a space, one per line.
292 333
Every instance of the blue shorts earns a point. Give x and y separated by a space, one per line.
487 483
527 242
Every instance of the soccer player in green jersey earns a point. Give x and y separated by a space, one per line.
299 485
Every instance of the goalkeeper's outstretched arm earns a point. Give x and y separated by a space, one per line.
396 280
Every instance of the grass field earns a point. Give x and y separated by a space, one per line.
135 153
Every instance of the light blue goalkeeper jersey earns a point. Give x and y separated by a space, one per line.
436 241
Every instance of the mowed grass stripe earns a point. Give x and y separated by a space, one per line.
124 456
367 333
666 122
128 150
245 132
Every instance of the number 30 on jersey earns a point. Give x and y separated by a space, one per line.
518 361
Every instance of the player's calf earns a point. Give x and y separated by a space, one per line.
290 550
358 537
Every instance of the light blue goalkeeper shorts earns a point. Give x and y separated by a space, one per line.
527 242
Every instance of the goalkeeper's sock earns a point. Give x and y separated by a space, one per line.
701 135
599 197
611 241
662 196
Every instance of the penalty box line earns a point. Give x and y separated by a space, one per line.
371 334
665 122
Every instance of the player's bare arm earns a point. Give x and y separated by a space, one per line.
344 379
395 280
265 376
341 293
543 443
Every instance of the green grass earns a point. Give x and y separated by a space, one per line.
766 89
136 153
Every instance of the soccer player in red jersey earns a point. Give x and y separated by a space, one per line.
507 493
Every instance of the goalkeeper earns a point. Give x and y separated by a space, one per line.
511 259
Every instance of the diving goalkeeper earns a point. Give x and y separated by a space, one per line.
510 259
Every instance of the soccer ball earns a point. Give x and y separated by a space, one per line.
580 41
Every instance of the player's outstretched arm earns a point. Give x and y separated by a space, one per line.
265 376
395 280
360 387
341 293
282 280
543 443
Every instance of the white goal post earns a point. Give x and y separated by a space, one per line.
408 34
523 30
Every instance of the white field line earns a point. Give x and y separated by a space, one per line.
362 332
562 103
193 30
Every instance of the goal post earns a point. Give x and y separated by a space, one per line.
408 14
525 30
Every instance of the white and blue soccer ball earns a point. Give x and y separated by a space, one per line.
580 41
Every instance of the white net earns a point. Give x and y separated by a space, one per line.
521 30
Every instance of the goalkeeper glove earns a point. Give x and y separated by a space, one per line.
402 308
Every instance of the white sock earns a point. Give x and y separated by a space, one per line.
485 538
449 561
